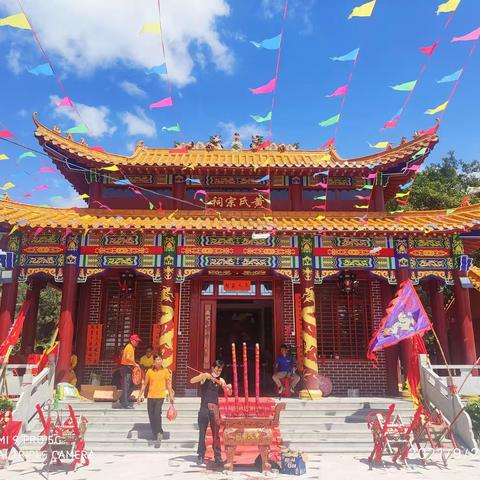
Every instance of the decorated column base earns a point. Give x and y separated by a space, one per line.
310 394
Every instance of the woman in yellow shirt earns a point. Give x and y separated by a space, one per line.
158 381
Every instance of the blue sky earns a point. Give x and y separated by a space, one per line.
101 58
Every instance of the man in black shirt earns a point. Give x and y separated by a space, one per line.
210 383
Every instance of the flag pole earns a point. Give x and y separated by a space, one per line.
443 355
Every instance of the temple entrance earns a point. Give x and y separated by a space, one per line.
249 321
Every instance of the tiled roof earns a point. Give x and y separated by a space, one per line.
426 222
474 276
290 159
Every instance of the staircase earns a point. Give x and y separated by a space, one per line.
336 425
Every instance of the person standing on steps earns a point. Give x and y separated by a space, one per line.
158 380
128 363
210 384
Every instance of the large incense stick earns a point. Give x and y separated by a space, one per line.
235 377
245 375
257 376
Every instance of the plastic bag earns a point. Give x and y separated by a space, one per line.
137 376
171 413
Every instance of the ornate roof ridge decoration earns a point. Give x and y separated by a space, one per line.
234 158
26 216
474 276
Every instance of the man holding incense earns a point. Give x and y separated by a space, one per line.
210 384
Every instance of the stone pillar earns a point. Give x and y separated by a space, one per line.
167 299
440 324
309 323
29 333
391 353
68 308
463 322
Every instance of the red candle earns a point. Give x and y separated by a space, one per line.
235 377
257 375
245 375
225 394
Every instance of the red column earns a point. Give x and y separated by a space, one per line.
391 353
463 322
178 191
66 321
295 192
378 199
8 304
29 333
406 346
439 318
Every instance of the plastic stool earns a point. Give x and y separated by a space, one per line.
285 381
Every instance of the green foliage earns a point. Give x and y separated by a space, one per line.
473 409
5 404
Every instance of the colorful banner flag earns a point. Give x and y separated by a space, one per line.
406 185
348 57
364 10
339 91
405 317
43 69
41 187
111 168
26 155
260 119
7 186
379 145
328 143
420 153
453 77
448 6
269 43
17 21
391 123
330 121
473 190
474 35
405 87
6 134
166 102
153 28
430 49
269 87
3 156
47 170
123 181
81 128
65 102
157 69
173 128
440 108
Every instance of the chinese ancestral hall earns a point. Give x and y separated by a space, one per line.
198 247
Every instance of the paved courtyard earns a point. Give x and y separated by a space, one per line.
152 466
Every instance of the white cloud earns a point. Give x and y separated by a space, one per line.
92 34
246 131
132 89
13 61
138 124
68 202
96 118
300 10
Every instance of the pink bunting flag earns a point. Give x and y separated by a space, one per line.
263 145
97 148
38 231
269 87
68 230
199 192
321 185
328 143
27 195
178 150
166 102
339 91
371 176
6 134
391 123
430 131
360 197
47 170
414 168
65 102
429 50
41 187
475 35
319 207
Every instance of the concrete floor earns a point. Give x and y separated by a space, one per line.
327 466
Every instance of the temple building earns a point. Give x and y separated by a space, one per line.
199 247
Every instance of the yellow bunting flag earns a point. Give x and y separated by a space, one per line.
172 214
379 145
7 186
111 168
364 10
448 6
3 156
400 195
320 218
440 108
153 28
15 227
17 21
361 206
84 195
